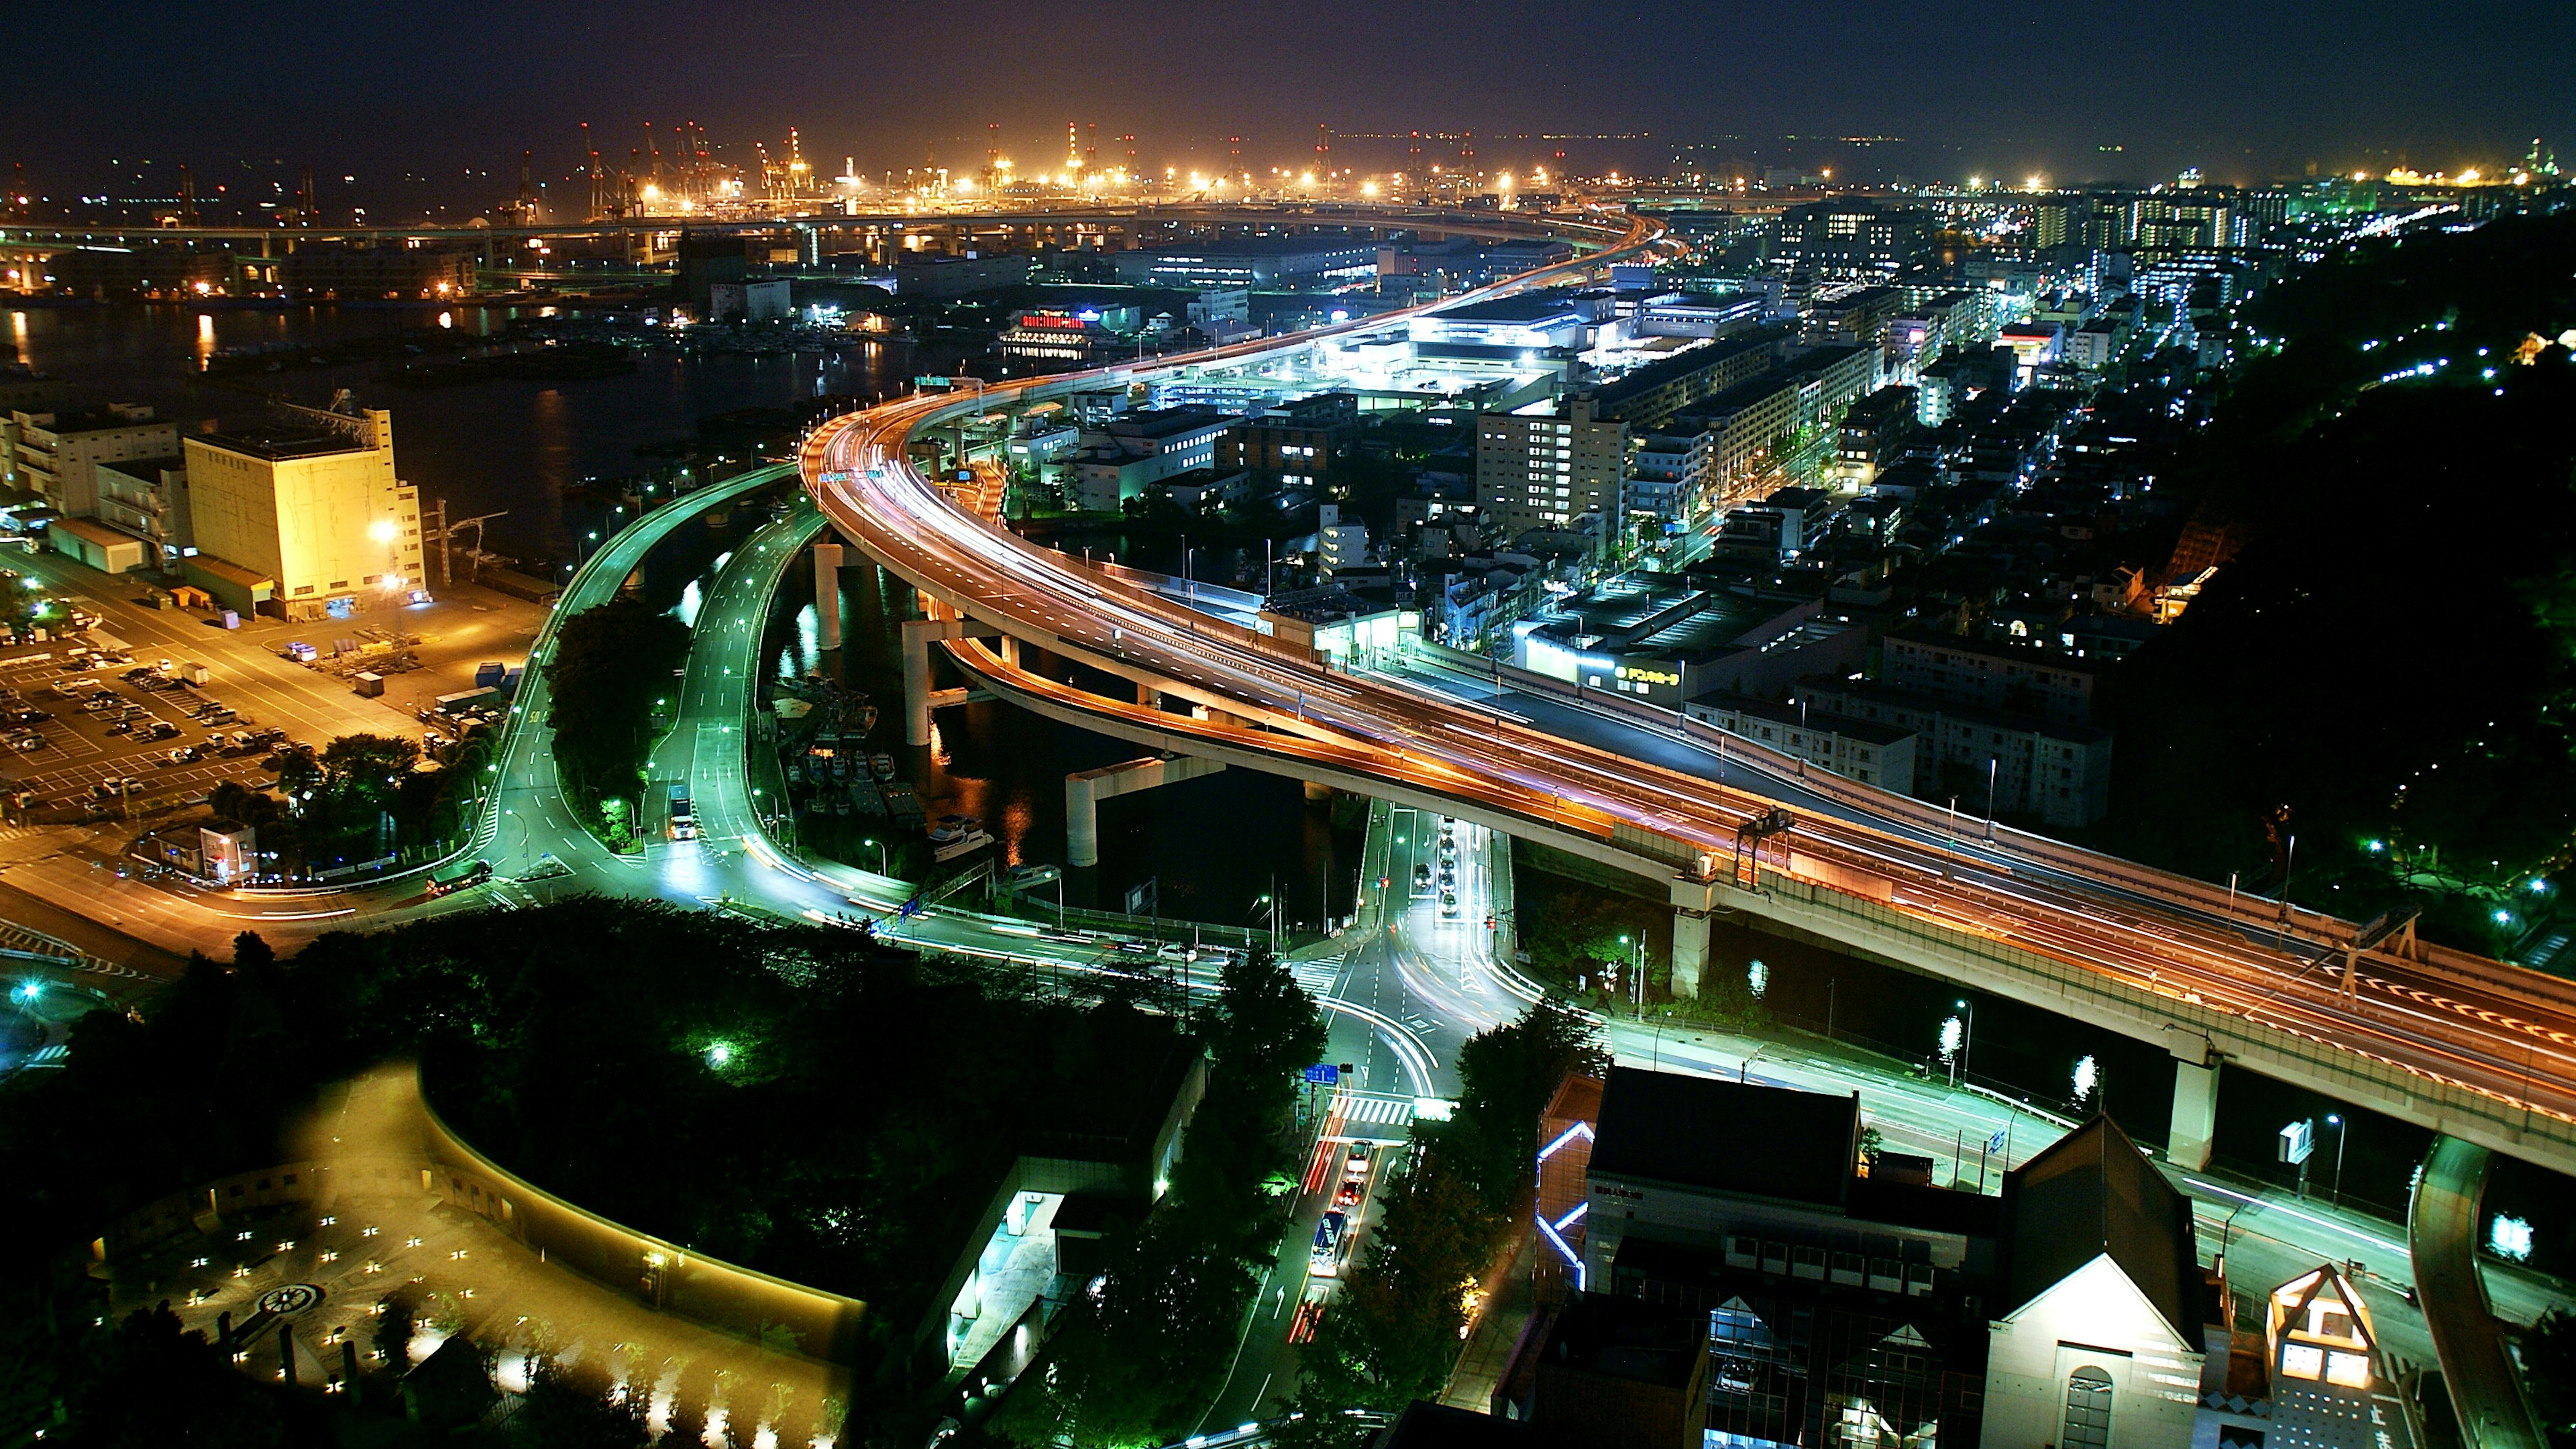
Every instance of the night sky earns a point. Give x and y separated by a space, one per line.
408 97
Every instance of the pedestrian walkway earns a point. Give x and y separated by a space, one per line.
1358 1110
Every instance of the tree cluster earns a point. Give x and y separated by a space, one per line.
611 667
359 798
1139 1360
2386 670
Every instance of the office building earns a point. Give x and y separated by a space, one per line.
1519 328
1847 238
303 518
1549 470
372 273
1299 444
55 456
1666 638
1130 450
938 276
1263 263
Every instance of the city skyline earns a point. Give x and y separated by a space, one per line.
1996 88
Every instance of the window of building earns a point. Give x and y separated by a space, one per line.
2088 1410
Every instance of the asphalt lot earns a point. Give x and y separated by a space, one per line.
246 671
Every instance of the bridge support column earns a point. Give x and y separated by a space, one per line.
1148 696
1692 901
1010 649
917 637
2195 1106
1690 950
827 595
1085 789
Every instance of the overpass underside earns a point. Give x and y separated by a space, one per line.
1777 885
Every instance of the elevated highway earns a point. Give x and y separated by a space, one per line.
1458 221
2472 1048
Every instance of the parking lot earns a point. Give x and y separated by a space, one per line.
83 736
193 682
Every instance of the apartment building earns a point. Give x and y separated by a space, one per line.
55 456
1549 470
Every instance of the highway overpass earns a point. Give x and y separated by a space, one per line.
2473 1048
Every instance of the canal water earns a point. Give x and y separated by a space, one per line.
517 445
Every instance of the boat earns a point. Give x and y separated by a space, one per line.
954 835
883 765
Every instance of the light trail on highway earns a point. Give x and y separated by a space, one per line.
2489 1029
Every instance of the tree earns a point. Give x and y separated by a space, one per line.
147 1382
567 1409
611 664
1267 1026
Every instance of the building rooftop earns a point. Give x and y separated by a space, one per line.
1826 721
2093 1194
277 442
1743 1138
1536 306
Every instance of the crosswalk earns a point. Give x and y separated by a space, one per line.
1356 1110
1316 977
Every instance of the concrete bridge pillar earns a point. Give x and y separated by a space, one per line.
2195 1104
1693 899
917 637
1690 950
1010 649
1148 696
1085 789
827 595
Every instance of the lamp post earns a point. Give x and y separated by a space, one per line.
1967 1032
881 857
1992 761
2335 1120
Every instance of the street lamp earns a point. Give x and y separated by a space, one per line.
2335 1120
1967 1038
881 856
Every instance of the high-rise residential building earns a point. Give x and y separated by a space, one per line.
55 455
1549 470
304 518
